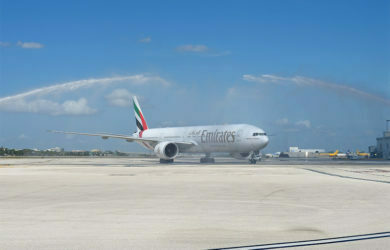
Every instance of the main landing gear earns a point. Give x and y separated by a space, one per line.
255 156
166 161
207 159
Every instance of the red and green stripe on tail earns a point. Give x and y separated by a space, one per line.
139 117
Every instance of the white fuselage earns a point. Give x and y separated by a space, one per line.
235 138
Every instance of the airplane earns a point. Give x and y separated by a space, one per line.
241 141
337 155
331 154
366 155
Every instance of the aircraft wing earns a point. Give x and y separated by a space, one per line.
124 137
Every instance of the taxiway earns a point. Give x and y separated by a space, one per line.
122 203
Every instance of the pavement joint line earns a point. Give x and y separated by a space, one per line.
347 177
303 243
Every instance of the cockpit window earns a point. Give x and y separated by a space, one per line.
258 134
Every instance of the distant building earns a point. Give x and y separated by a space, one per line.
55 149
383 145
79 151
296 150
96 152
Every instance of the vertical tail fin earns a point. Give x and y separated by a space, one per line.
139 117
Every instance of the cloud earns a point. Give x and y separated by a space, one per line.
79 107
171 123
192 48
263 78
202 50
216 54
120 98
304 123
44 106
145 40
33 101
29 45
305 81
4 44
231 92
22 136
283 121
291 126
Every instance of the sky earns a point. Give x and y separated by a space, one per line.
313 74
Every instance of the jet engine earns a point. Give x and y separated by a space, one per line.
241 156
166 150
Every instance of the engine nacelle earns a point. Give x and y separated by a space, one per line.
241 156
166 150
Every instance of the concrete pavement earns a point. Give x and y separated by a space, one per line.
122 203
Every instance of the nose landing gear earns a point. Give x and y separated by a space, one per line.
255 156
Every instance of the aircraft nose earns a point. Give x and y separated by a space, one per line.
266 140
